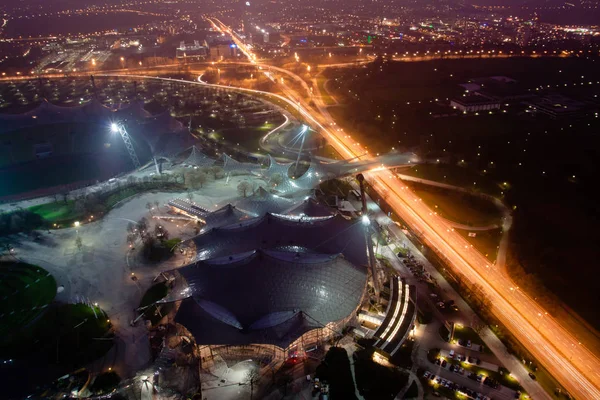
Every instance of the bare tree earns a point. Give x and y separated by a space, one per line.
161 232
142 227
149 207
218 172
78 242
195 179
156 204
252 377
202 178
190 195
244 187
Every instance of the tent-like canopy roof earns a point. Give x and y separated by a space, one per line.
268 297
262 202
328 235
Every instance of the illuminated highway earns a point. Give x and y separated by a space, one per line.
552 345
558 350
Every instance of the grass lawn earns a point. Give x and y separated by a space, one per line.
70 335
156 312
335 187
24 292
466 333
375 381
458 207
58 211
155 293
325 96
486 242
455 175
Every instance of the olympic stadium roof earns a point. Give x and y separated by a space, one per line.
311 208
47 113
262 202
226 215
199 159
267 297
328 235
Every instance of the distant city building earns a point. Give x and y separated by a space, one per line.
192 50
475 102
220 50
558 106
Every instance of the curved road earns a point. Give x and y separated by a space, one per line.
551 344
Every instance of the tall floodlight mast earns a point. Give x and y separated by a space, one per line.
120 128
303 134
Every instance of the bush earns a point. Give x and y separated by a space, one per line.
335 369
171 243
375 381
433 355
19 221
105 382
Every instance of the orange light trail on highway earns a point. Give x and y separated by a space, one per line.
549 342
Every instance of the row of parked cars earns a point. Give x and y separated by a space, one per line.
454 386
460 357
415 267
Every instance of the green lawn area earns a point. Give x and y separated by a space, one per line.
458 207
155 293
486 242
336 187
455 175
24 292
375 381
466 333
70 335
58 211
325 96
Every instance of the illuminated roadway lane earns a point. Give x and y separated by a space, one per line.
409 207
552 345
557 349
571 363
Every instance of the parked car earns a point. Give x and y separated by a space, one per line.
451 354
426 374
444 363
460 357
468 343
479 378
532 376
